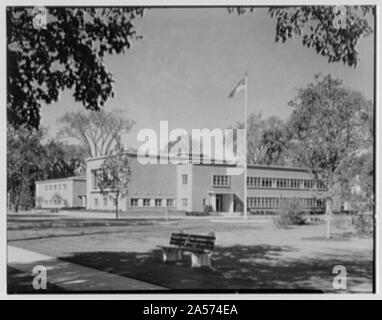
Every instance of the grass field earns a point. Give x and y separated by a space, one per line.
248 256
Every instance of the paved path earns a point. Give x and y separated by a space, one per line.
73 277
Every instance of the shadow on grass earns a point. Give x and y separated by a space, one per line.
343 236
236 268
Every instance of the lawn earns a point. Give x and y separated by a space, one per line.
253 256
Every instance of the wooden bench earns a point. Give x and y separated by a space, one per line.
200 248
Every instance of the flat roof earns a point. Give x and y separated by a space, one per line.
185 157
159 156
81 178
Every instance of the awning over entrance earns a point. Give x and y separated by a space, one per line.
224 201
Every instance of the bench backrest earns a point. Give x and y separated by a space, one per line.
193 241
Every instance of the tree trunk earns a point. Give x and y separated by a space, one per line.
328 217
17 202
116 208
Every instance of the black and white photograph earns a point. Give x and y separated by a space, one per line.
216 149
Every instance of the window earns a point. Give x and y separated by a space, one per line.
263 202
184 202
320 203
308 184
146 202
170 202
64 186
184 178
94 179
253 182
105 201
158 202
283 183
266 182
321 185
295 184
95 202
134 202
221 181
54 187
59 186
46 187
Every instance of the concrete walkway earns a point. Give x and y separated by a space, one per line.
73 277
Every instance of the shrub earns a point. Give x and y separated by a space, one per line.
196 213
39 201
290 213
363 223
239 207
208 209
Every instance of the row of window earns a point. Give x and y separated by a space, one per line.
145 202
221 181
274 202
257 182
55 186
253 182
105 201
47 202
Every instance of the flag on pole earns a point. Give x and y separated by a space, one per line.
239 87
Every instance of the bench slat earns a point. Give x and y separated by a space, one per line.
195 236
193 242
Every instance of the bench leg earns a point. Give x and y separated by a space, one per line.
171 254
200 260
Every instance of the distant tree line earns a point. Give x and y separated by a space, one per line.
30 158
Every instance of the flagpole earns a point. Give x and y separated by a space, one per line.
245 146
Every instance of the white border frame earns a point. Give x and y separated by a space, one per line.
172 296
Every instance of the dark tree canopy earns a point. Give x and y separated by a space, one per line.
320 28
266 140
24 162
29 160
62 160
68 54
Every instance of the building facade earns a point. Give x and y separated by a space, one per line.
61 193
190 186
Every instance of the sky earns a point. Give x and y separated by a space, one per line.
191 58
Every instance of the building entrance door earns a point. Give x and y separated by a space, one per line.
219 202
